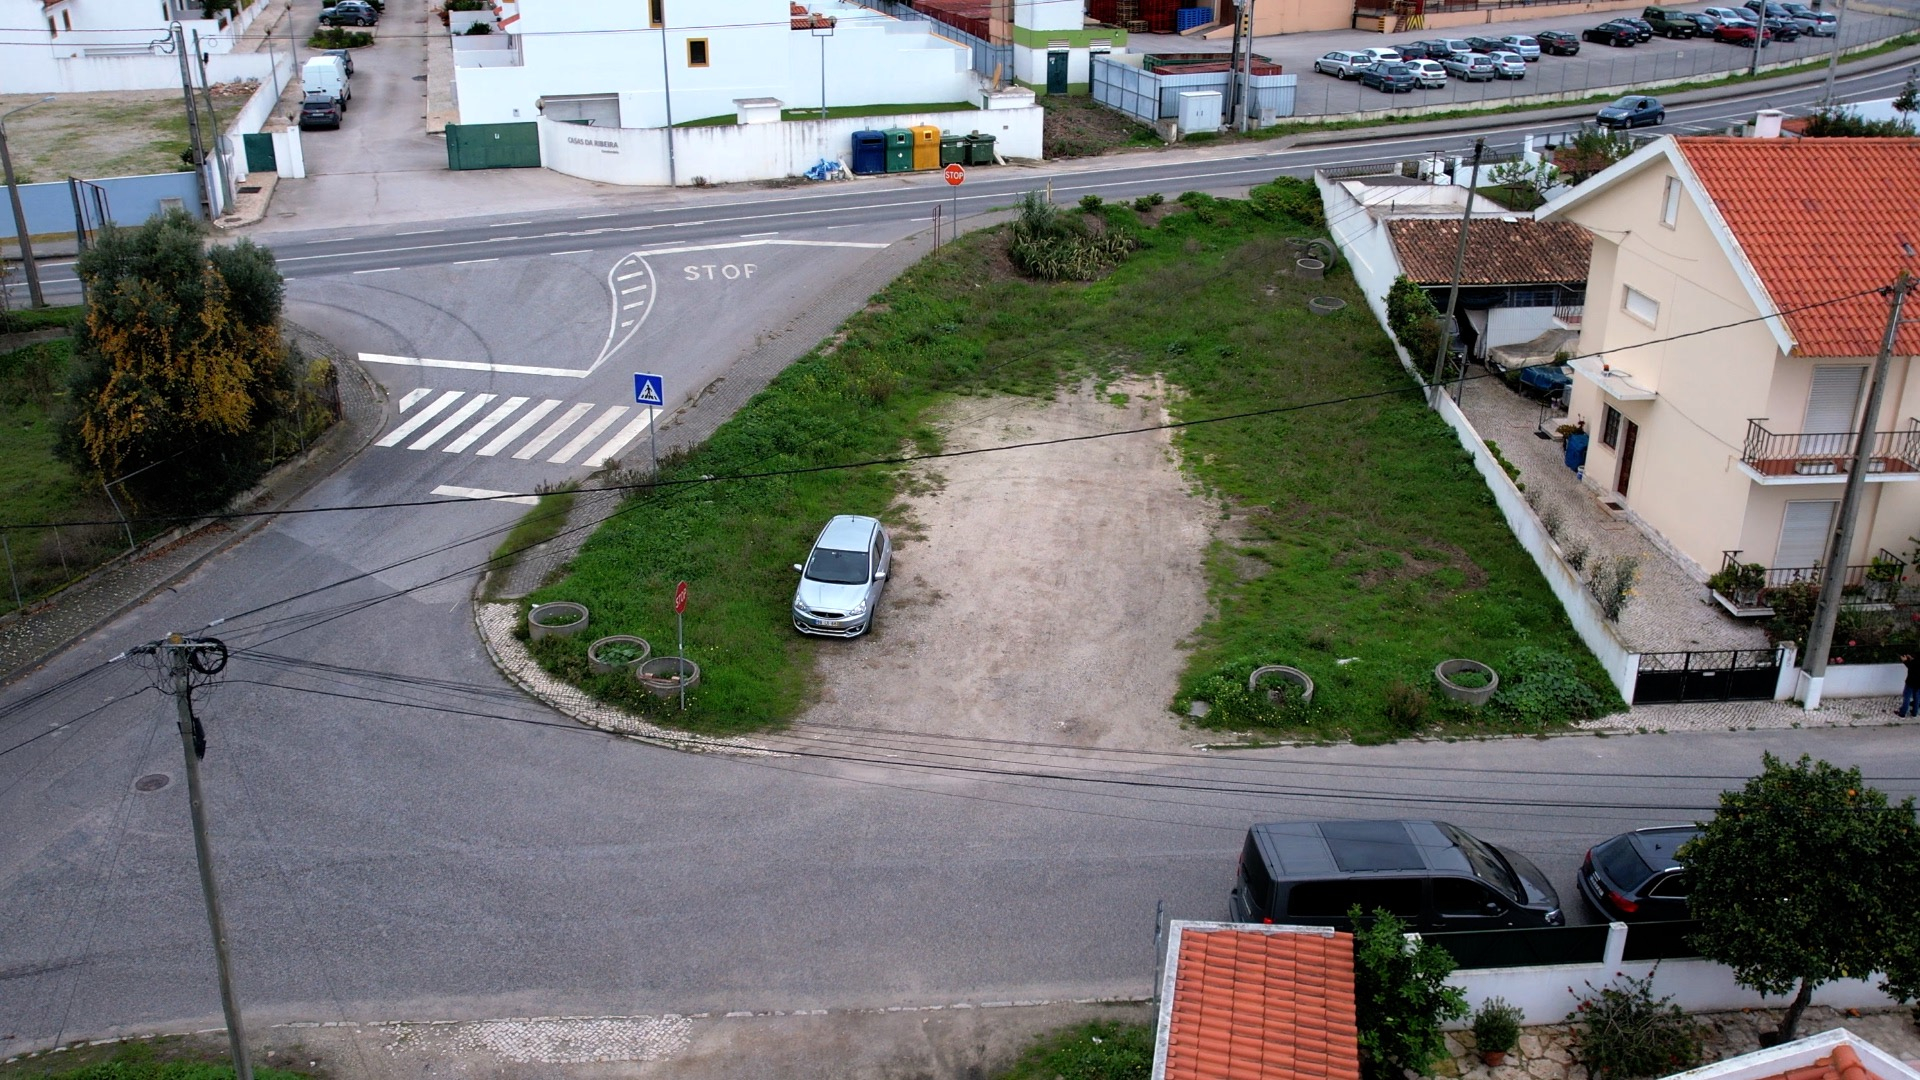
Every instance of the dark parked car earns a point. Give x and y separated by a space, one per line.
1615 33
345 55
1390 78
1485 44
319 112
349 13
1704 24
1429 873
1631 112
1670 22
1412 50
1558 42
1642 29
1634 877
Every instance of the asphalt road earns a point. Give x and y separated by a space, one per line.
475 858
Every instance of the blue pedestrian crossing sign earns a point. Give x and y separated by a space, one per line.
649 390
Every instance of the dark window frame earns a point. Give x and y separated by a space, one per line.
657 14
1610 428
699 47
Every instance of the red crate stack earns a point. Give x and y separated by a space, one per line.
1160 15
1103 11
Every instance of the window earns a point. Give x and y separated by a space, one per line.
1331 899
1610 428
1670 206
1458 896
1671 887
52 29
697 52
656 13
1641 306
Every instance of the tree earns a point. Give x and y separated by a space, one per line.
1413 319
1400 997
1847 124
1806 876
180 359
1592 150
1908 102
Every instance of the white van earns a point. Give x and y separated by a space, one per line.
327 75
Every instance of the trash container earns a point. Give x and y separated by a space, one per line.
899 150
869 152
979 149
926 146
953 150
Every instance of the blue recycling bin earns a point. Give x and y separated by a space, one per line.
869 152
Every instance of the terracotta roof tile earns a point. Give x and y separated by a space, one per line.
1819 218
1524 252
1843 1064
802 19
1262 1005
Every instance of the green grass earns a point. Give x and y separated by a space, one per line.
1100 1050
33 485
541 524
25 320
1360 529
838 112
165 1058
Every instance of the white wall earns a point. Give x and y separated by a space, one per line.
34 69
1855 681
1513 325
735 152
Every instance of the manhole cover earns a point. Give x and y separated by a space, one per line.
152 782
419 78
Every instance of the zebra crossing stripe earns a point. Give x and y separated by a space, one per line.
413 398
588 434
519 428
421 418
460 416
554 430
492 420
619 442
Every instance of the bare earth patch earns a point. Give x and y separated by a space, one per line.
1039 594
117 133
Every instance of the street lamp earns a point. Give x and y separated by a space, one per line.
823 33
19 215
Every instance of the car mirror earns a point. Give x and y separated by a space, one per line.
799 568
1493 907
879 575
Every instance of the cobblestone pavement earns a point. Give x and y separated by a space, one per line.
30 636
1545 1052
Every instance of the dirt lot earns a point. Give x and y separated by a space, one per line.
121 133
1037 594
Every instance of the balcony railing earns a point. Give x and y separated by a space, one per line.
1829 453
1876 582
1568 315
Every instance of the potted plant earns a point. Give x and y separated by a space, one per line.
616 653
1496 1029
1883 575
1740 583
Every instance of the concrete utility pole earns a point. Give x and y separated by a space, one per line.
1233 60
34 296
1834 575
1833 58
1759 39
179 36
1437 388
180 660
1246 92
213 120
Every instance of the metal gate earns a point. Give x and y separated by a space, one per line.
493 146
259 152
1707 675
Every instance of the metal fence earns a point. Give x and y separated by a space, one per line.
988 59
1536 947
1149 96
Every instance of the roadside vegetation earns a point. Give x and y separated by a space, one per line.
165 1058
1357 541
1077 126
1101 1050
117 133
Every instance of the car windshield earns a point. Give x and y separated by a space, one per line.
1621 864
1626 104
838 567
1488 865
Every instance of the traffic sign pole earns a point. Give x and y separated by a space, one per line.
956 175
651 391
680 631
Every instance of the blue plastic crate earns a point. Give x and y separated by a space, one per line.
1187 18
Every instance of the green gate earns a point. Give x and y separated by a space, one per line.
260 153
493 146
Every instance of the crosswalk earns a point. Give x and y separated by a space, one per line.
456 422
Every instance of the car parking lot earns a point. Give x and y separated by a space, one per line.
1597 67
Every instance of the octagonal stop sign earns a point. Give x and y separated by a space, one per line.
955 174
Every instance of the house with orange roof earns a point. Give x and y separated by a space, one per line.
1736 301
1831 1055
1258 1002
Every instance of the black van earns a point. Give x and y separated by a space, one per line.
1432 875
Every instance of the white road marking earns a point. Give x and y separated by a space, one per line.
588 434
472 365
751 235
508 224
490 496
492 421
589 217
419 232
460 416
470 262
619 442
519 428
420 419
381 270
635 274
333 240
413 398
582 251
554 430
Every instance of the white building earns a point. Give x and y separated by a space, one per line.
651 63
72 46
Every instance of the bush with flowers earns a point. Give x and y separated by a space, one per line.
1622 1032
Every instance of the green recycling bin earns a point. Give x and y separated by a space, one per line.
953 150
979 149
899 150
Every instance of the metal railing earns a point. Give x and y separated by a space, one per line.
1828 453
988 59
1886 569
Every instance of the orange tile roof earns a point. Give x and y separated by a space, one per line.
1820 218
1524 252
1843 1064
802 19
1263 1005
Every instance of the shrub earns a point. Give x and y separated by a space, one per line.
1496 1026
478 29
334 37
1090 203
1290 197
1414 320
1102 1050
1538 686
1612 583
1621 1033
1049 245
1401 997
1406 705
1234 707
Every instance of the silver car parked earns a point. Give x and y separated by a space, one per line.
840 582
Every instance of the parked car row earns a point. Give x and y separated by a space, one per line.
326 86
1438 877
1428 64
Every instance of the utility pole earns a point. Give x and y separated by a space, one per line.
1437 388
1759 39
1833 576
213 120
1246 93
179 36
182 658
1833 59
34 295
1233 59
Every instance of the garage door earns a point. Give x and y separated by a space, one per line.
493 146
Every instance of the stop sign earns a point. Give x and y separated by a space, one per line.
680 598
955 174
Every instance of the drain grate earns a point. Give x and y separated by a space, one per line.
152 782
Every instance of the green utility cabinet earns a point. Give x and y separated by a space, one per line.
899 150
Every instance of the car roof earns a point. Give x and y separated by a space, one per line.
1656 846
847 532
1320 848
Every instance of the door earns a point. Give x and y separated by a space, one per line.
259 152
1805 528
1627 443
1057 71
1461 904
1833 404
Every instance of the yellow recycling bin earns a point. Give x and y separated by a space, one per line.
926 146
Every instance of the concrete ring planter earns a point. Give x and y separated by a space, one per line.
1475 696
562 618
1299 243
600 666
665 675
1282 673
1325 305
1309 268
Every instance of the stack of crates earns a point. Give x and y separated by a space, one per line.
1160 15
926 146
899 150
1187 18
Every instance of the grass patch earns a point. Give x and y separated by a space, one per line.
164 1058
26 320
1359 529
1100 1050
840 112
541 524
124 133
